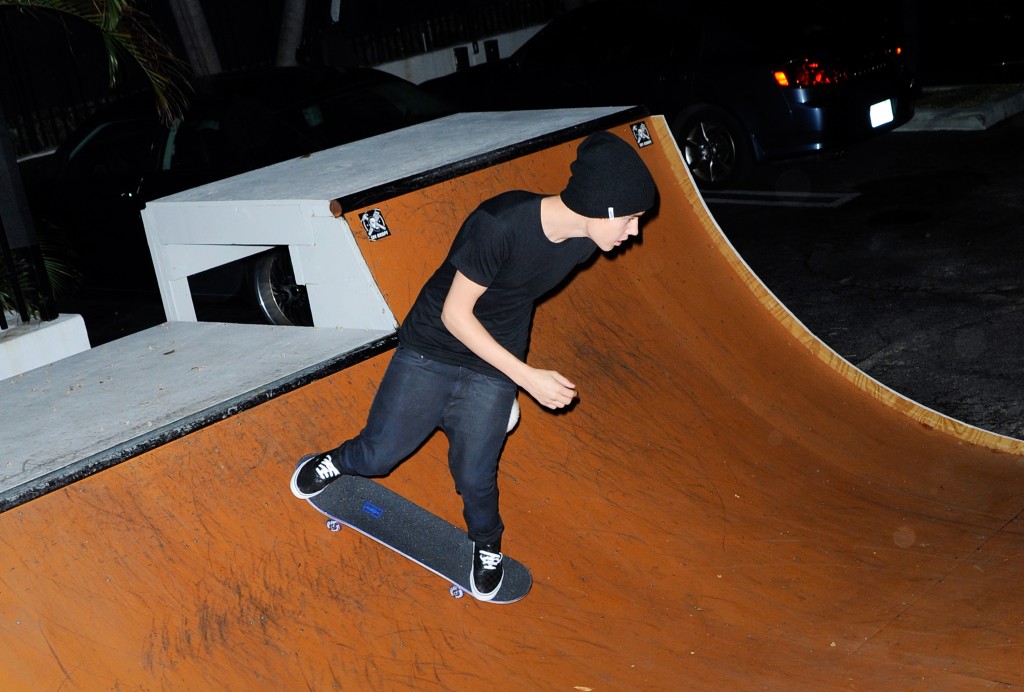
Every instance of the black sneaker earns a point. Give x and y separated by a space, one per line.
314 473
485 578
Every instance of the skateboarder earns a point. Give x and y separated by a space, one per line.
462 348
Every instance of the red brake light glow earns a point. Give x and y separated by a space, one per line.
809 73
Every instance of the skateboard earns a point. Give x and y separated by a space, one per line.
409 530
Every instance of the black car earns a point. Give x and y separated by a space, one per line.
235 122
738 84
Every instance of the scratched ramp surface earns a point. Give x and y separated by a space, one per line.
414 532
729 505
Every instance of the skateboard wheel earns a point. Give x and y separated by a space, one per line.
334 525
456 591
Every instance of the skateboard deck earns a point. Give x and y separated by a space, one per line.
408 529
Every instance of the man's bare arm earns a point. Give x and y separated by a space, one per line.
548 387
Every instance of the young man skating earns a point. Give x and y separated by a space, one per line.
461 357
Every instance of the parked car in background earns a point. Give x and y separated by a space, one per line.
235 122
738 83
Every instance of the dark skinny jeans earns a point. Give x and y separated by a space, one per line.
418 395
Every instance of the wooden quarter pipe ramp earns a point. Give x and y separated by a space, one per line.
729 505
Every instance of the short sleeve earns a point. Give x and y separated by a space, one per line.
483 249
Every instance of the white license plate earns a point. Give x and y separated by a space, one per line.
881 113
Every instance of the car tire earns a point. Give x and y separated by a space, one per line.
279 298
714 146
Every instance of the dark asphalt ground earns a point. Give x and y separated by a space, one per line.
919 278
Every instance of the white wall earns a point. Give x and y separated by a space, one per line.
26 346
438 63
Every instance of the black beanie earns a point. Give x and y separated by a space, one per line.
609 179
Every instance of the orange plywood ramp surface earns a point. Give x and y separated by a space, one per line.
728 505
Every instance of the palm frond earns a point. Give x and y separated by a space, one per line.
129 33
59 263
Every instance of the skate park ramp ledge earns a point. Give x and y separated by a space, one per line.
728 505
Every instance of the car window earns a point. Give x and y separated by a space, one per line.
195 145
411 101
762 30
250 133
348 116
114 148
345 118
242 136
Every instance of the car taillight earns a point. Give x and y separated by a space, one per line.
809 73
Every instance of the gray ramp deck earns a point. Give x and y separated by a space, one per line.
85 413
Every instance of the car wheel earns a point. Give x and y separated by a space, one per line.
280 299
714 146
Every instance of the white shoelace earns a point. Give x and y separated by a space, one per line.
326 469
490 560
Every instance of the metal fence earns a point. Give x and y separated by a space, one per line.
369 37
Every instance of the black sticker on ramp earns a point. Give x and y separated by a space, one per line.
641 134
374 224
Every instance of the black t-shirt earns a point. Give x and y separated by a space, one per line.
501 246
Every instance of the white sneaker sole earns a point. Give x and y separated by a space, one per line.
479 595
295 477
484 596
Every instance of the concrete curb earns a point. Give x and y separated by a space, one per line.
969 108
